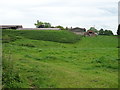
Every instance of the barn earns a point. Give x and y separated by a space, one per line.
90 33
79 31
10 26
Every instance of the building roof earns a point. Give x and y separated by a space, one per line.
90 31
9 26
38 29
77 29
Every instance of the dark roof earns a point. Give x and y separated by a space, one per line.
38 29
10 26
90 31
77 29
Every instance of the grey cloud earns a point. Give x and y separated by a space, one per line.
83 13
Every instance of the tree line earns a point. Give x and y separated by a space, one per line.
41 24
101 31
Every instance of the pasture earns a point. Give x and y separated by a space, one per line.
59 59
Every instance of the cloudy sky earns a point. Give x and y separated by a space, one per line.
75 13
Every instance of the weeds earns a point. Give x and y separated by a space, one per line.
90 63
47 35
10 75
105 62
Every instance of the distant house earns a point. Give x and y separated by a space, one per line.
38 29
10 26
78 30
90 33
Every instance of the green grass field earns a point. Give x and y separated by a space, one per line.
68 61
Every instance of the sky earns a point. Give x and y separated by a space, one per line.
67 13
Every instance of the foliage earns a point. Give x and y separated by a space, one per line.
47 25
40 24
66 28
93 29
105 32
118 31
61 27
108 32
101 32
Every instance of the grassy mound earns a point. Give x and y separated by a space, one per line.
46 35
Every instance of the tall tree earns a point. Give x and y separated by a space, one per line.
108 32
66 28
40 24
47 25
101 32
118 31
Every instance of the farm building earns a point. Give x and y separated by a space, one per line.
78 30
38 29
90 33
10 26
19 27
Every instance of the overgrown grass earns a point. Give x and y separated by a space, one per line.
92 62
10 76
47 35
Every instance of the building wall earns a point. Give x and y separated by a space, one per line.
79 33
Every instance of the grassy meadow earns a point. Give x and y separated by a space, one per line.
58 59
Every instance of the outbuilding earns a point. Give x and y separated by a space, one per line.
90 33
78 30
10 26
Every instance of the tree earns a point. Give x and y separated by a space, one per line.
101 32
108 32
61 27
118 31
66 28
105 32
47 25
40 24
93 29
